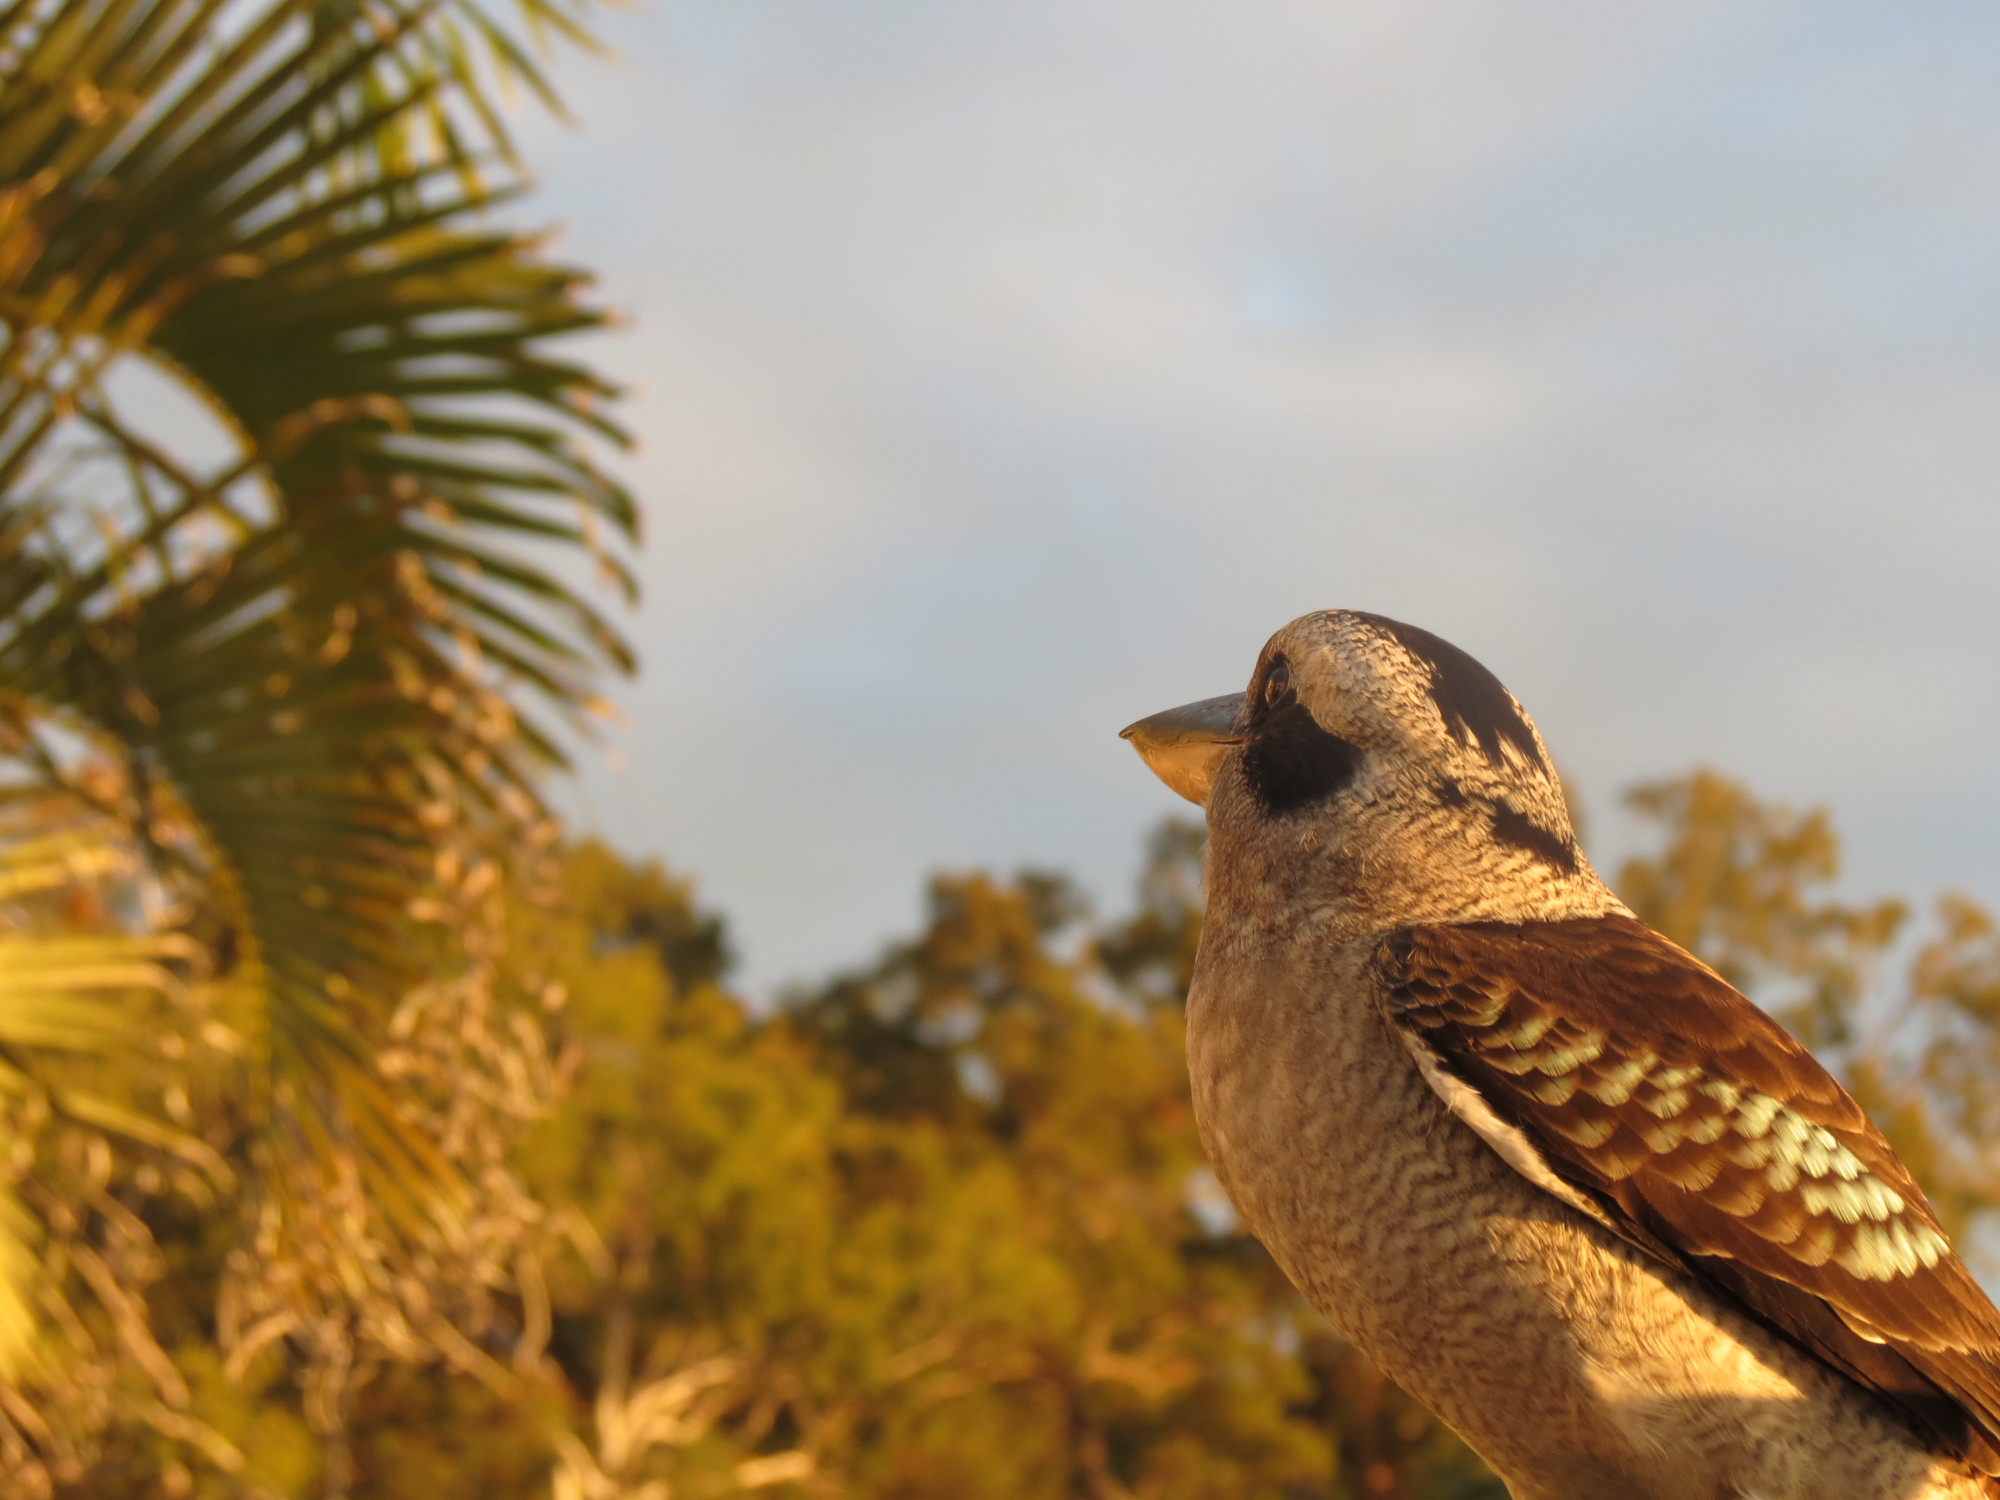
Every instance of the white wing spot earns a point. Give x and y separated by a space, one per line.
1870 1256
1569 1059
1558 1090
1614 1086
1848 1204
1723 1092
1931 1246
1882 1252
1794 1151
1708 1129
1587 1133
1883 1200
1666 1105
1751 1154
1661 1138
1530 1031
1755 1115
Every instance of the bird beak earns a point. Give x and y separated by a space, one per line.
1184 745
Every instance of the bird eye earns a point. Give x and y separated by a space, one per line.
1277 682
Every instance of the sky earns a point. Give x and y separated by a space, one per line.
1004 372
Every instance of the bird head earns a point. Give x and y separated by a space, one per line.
1369 753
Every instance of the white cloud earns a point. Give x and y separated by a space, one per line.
1011 371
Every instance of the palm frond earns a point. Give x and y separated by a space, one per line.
330 670
72 989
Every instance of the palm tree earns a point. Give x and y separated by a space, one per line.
282 661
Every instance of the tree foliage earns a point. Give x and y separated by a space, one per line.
282 659
941 1226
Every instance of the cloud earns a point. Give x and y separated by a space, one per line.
1011 371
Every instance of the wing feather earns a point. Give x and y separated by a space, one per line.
1657 1092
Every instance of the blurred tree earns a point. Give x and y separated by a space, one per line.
1152 952
926 1233
1939 1077
937 1228
1119 1346
1742 884
941 1226
272 404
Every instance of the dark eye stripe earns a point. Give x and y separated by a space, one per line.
1290 761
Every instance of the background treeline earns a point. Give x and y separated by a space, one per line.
941 1228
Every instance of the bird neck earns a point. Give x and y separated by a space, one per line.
1369 864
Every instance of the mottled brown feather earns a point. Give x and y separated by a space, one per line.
1704 1129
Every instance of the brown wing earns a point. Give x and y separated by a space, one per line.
1702 1128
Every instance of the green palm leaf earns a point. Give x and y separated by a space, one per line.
69 1004
331 668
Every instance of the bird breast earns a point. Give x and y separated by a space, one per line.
1570 1360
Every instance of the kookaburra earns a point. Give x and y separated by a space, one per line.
1549 1170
